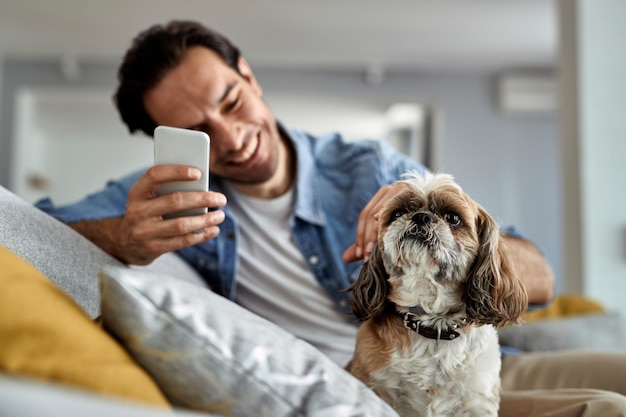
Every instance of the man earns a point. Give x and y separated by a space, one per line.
292 216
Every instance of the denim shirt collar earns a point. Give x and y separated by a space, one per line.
308 193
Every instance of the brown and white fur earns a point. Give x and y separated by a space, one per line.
439 254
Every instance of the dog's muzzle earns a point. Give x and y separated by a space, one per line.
421 225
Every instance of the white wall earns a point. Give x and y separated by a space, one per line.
593 66
71 139
508 162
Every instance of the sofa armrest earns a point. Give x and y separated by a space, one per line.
55 249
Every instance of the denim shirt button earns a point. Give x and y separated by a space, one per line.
201 262
313 260
230 236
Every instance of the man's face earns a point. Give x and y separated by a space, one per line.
204 93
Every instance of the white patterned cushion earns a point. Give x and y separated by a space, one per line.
207 353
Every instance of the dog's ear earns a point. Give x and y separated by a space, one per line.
369 291
494 293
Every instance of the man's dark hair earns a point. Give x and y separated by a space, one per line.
153 53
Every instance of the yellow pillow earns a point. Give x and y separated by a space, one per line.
566 305
45 334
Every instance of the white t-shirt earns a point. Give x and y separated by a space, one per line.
274 281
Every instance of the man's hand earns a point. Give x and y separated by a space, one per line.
367 229
142 235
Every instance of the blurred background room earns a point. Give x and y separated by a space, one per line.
524 102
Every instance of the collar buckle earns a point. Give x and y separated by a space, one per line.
411 322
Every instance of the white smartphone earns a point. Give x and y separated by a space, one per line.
175 146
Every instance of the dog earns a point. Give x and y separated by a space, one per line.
437 284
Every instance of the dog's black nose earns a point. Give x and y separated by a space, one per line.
422 219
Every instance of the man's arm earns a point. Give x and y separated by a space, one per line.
114 236
105 234
533 269
142 234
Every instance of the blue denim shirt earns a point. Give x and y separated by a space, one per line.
335 180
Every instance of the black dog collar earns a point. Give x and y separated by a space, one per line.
411 321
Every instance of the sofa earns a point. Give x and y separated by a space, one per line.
82 334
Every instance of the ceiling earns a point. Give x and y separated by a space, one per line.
413 35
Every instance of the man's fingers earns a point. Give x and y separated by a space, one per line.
349 255
146 252
148 233
147 185
183 225
159 174
368 224
183 200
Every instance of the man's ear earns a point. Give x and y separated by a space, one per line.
246 73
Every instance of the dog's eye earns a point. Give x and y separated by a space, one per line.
396 214
453 219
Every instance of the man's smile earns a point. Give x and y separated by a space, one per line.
248 151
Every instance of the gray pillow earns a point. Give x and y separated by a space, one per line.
207 353
67 258
588 331
172 264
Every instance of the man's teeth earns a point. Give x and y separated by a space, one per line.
248 151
